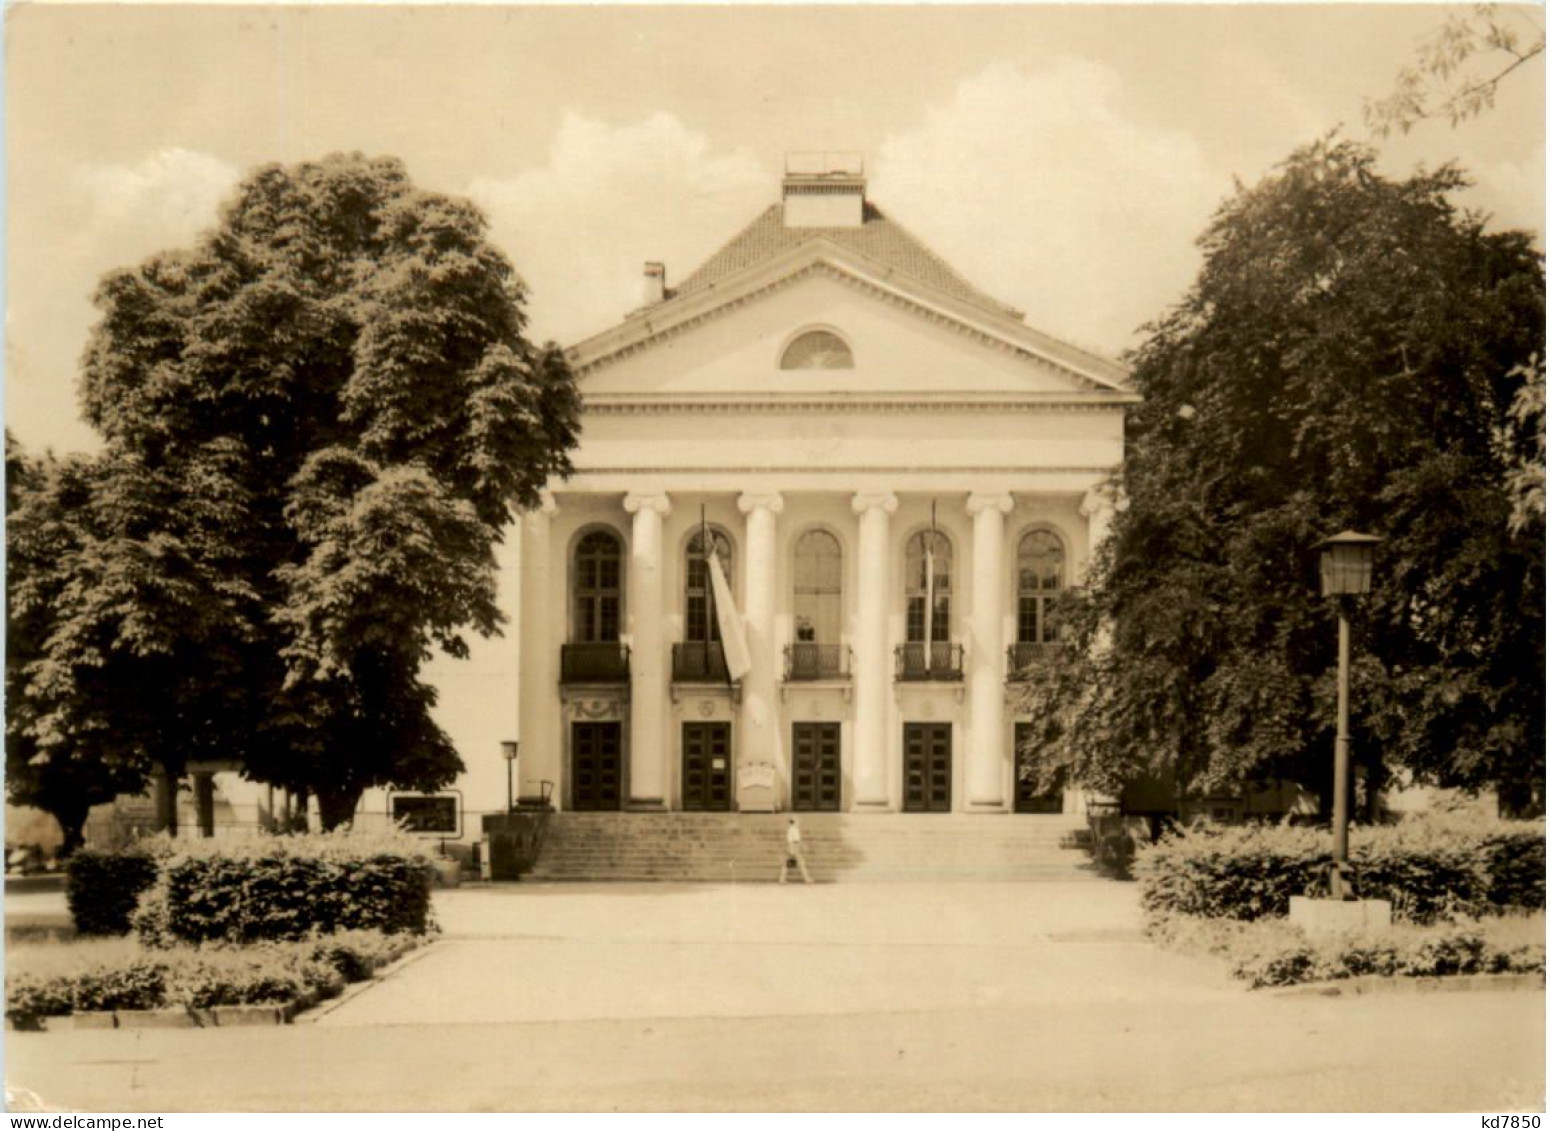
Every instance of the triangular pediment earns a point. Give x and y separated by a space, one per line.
907 337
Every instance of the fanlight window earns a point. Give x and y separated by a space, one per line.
817 349
597 589
816 596
699 602
1041 576
936 550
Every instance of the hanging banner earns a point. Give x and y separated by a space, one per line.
734 641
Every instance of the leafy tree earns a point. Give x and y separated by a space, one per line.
316 420
1459 67
1345 360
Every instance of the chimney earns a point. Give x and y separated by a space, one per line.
654 284
823 190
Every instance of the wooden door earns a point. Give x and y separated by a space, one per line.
596 765
1027 798
707 767
815 767
928 767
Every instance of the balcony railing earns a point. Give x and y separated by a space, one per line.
1021 657
808 661
594 663
946 662
699 662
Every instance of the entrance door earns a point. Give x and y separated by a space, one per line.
595 765
815 767
707 751
1028 799
928 767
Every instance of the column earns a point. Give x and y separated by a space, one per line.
869 760
538 698
648 660
759 741
987 654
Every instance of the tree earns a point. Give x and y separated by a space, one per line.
60 755
1344 360
316 422
1459 68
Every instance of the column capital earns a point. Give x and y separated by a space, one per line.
886 501
771 501
984 502
652 501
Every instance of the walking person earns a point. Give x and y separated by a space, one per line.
794 855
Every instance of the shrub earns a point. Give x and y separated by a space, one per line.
103 885
58 980
1273 953
288 888
1429 869
140 985
1515 859
31 996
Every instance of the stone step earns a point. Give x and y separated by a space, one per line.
700 847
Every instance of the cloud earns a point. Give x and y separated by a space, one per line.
1042 190
610 198
164 201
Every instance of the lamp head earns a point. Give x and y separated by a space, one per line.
1345 563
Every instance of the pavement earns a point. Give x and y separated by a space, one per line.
1005 996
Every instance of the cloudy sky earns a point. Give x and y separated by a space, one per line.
1063 158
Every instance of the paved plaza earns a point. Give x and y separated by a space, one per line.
844 997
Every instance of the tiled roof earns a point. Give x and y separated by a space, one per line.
878 238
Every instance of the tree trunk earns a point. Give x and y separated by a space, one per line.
72 822
337 806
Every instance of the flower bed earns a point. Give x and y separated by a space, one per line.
1271 952
112 975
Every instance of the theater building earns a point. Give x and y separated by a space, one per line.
898 477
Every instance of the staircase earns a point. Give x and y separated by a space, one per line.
712 847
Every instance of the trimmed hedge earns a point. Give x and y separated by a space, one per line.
288 888
1429 869
102 886
74 977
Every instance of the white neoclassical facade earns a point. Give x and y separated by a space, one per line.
898 475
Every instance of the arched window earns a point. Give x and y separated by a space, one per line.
597 589
939 593
817 349
817 608
699 602
1041 576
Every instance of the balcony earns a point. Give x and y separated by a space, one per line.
806 661
946 664
1021 657
594 663
700 662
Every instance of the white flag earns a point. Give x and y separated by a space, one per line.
733 641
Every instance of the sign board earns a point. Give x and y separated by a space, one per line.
428 814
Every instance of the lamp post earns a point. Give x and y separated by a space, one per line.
1345 569
509 752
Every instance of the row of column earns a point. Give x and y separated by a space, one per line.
649 674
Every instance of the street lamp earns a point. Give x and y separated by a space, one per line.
509 752
1345 569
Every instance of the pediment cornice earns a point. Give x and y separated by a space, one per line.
823 258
